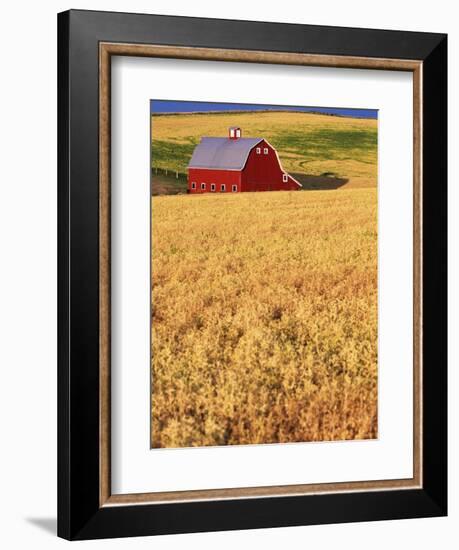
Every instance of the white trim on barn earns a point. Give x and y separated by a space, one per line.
280 164
245 162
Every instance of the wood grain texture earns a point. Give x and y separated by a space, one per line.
104 275
248 56
106 50
417 273
254 492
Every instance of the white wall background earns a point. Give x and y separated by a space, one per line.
28 271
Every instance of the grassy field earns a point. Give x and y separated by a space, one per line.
265 304
322 152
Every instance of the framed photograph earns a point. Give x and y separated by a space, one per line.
252 275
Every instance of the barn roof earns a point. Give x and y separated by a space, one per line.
222 153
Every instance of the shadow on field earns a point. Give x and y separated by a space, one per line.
162 184
324 183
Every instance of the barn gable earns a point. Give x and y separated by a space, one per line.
222 153
236 164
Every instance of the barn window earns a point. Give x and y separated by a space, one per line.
285 178
193 185
203 186
265 150
212 186
234 188
222 187
258 150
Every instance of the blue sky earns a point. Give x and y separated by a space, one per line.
164 106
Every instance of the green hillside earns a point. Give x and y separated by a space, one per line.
321 151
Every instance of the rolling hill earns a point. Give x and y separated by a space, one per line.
321 151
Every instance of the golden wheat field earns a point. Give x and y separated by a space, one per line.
264 310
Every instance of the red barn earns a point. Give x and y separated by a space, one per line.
237 164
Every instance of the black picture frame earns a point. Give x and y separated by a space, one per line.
80 515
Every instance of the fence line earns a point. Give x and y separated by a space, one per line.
170 173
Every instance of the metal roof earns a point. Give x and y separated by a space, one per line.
222 153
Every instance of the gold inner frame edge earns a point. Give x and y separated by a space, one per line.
106 51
